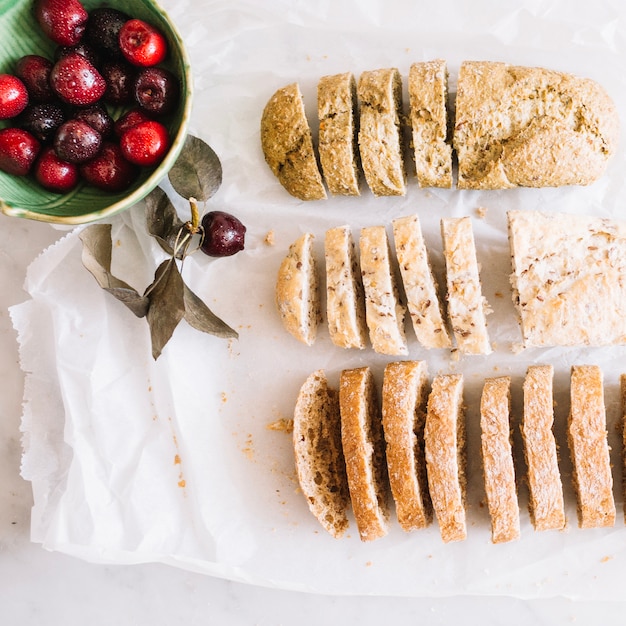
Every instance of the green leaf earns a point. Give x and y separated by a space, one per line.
199 316
167 306
197 172
162 220
96 257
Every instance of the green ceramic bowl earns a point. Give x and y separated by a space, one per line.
21 196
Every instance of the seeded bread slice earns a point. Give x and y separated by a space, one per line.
528 126
419 284
404 400
544 480
467 307
287 144
380 132
497 455
319 457
363 447
383 308
297 291
345 300
336 109
589 448
428 98
444 446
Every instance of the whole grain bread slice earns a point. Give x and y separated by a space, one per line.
297 292
404 397
287 144
345 299
545 504
364 452
428 98
380 131
444 446
589 450
497 456
338 124
319 458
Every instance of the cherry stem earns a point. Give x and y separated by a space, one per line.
195 215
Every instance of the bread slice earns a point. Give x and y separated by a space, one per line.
467 307
497 455
336 109
589 448
528 126
297 291
287 144
364 453
319 459
380 131
419 284
569 278
404 397
428 98
444 447
547 511
384 312
345 299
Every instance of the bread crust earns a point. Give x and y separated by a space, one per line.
338 128
287 144
428 98
404 397
320 466
530 126
420 288
467 308
497 456
589 449
380 132
297 293
364 452
444 447
384 312
546 507
345 299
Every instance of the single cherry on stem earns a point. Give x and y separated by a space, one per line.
62 21
222 234
13 96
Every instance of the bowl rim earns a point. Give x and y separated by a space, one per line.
153 180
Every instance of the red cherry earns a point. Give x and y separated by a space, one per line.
142 44
55 174
76 81
34 72
18 151
128 120
63 21
109 170
13 96
145 144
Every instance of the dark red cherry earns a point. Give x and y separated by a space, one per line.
97 117
76 81
18 151
224 234
103 29
13 96
63 21
42 120
54 174
120 78
77 142
34 72
156 90
109 170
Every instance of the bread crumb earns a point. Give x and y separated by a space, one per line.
517 347
481 212
224 397
269 238
282 424
606 559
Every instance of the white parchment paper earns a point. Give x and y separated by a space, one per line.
133 460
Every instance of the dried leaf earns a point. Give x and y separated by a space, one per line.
167 306
200 317
197 172
96 257
162 220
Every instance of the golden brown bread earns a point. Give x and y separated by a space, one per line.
319 457
287 144
545 505
404 397
364 452
529 126
497 456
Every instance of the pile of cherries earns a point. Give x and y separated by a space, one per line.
59 110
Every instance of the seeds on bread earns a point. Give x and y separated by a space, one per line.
318 453
337 113
287 144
